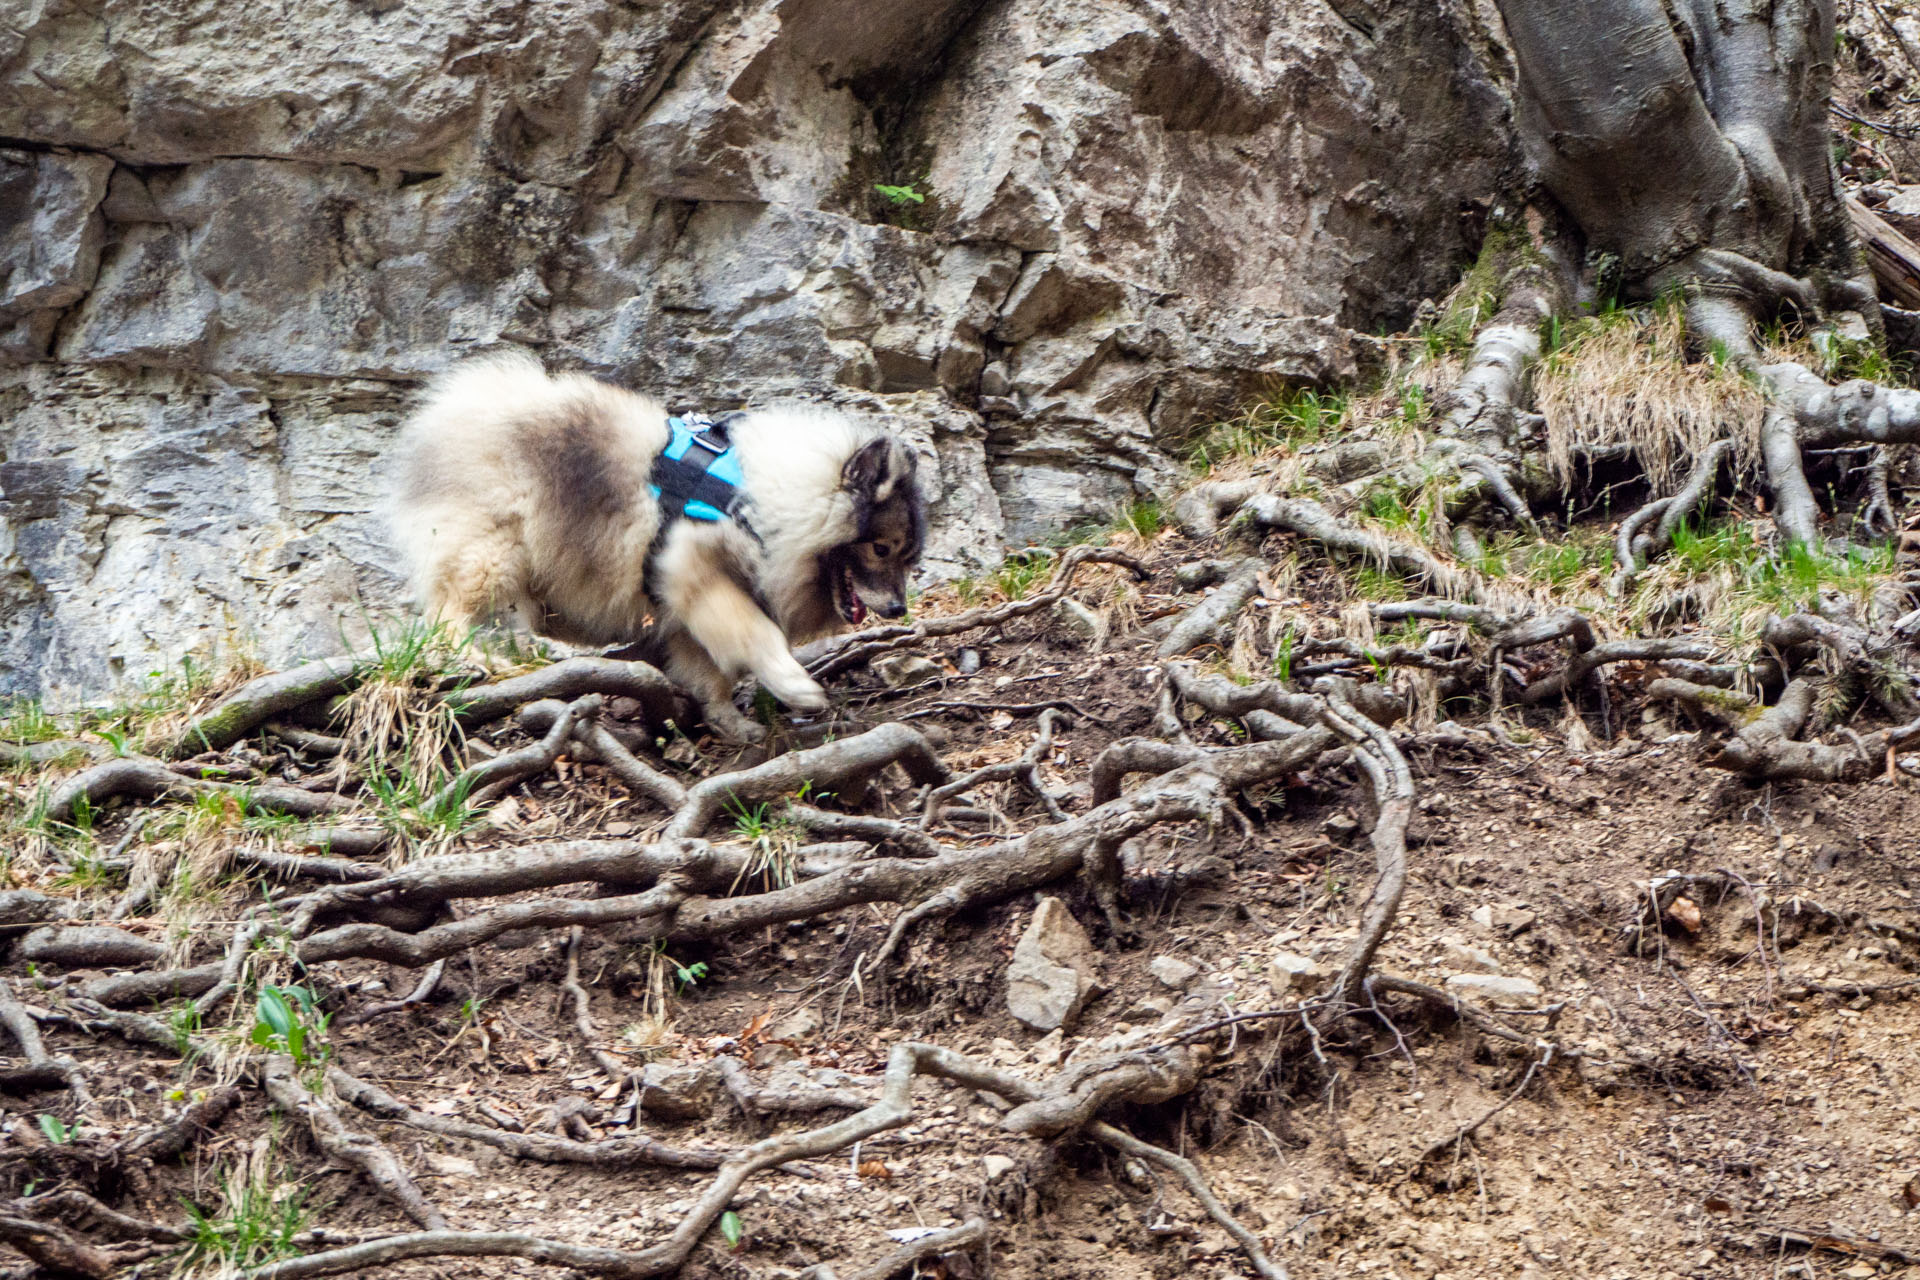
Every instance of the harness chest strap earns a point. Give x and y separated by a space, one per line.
697 476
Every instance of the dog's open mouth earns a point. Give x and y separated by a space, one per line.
852 607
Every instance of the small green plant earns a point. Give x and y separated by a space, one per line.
58 1131
749 822
286 1020
1413 406
1560 563
25 721
1384 502
774 838
256 1223
1283 657
906 194
1378 584
1019 574
690 975
183 1024
1144 519
413 651
1843 358
731 1229
1293 418
421 806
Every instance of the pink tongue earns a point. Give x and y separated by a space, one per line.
859 609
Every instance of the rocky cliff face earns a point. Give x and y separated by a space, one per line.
234 237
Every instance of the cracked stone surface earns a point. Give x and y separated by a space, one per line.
234 238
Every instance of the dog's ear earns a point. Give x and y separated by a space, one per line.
866 468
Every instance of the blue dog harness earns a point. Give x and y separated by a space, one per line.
698 476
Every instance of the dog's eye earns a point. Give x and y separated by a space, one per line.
884 550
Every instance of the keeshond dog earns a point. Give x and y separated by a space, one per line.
581 511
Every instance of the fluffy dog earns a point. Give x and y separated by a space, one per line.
533 498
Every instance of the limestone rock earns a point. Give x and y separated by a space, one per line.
677 1091
1052 974
1502 917
91 946
898 670
1287 972
1463 956
1081 621
1495 988
233 243
1173 971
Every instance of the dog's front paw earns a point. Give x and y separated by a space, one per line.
800 691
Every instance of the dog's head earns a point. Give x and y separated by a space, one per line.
869 572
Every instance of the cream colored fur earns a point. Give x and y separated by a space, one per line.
526 496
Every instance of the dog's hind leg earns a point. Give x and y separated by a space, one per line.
689 667
478 582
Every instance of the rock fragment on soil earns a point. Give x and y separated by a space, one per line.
1081 621
1195 574
1342 826
1495 988
1287 971
1463 956
998 1166
91 946
1502 917
1051 976
802 1024
1173 971
676 1091
899 670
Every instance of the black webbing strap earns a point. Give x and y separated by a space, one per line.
686 479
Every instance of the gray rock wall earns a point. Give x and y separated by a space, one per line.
234 237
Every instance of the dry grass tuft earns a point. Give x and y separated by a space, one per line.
1624 378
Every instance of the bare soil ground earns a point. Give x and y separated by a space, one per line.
1728 1094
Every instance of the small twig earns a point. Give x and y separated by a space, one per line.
1466 1131
583 1015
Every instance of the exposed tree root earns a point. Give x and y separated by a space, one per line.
894 1109
1392 783
968 1236
490 779
357 1151
634 1151
1204 622
573 678
1310 520
144 778
258 701
26 1033
1025 770
1767 748
843 653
